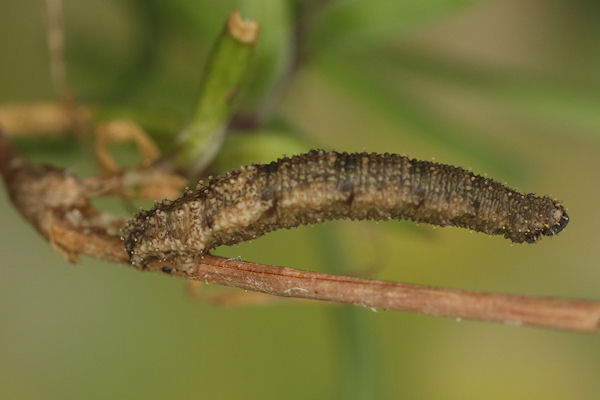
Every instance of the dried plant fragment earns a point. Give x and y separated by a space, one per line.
122 131
33 119
246 31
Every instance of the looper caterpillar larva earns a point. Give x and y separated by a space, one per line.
317 186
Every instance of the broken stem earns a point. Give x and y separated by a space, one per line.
224 77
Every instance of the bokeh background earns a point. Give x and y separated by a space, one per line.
510 88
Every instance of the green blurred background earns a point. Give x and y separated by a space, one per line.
507 87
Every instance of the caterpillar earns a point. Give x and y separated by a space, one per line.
316 186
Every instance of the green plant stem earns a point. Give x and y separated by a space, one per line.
272 60
256 147
223 80
358 354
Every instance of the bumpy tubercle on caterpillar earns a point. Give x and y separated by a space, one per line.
316 186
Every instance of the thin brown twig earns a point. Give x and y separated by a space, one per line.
56 48
148 183
40 118
229 297
58 68
66 221
577 315
119 131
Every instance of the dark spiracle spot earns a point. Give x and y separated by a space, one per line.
269 212
267 193
345 184
166 270
208 221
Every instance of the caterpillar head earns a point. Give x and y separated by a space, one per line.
549 223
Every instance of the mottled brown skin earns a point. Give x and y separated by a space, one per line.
317 186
